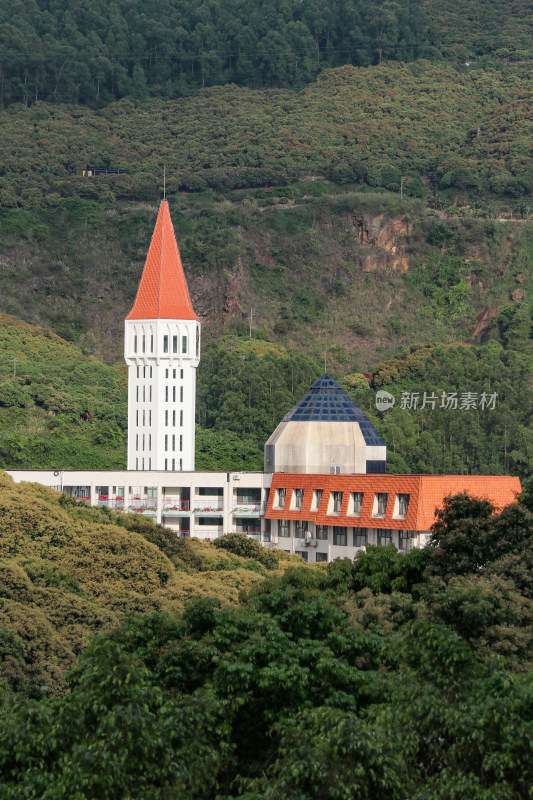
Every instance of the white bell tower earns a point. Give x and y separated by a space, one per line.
162 351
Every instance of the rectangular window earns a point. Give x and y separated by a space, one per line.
405 540
174 373
166 394
336 470
144 394
149 418
174 344
144 417
135 344
181 463
384 537
183 344
381 504
137 371
298 499
181 374
166 442
150 371
197 342
322 532
136 441
144 343
283 527
173 464
149 441
137 417
357 498
282 494
150 392
137 395
340 536
181 394
181 418
174 418
181 443
173 394
143 463
303 553
300 529
321 557
337 502
136 463
143 441
165 344
360 537
166 373
144 372
151 348
166 417
173 442
166 464
149 463
403 504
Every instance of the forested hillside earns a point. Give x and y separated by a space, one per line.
397 677
94 53
68 572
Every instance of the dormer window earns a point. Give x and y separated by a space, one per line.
380 504
357 503
337 502
317 497
403 504
298 499
282 494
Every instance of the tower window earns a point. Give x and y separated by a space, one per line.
166 441
136 441
183 344
144 393
181 463
166 464
150 392
181 443
144 417
143 441
173 442
144 343
166 417
173 373
144 372
151 370
151 346
181 374
174 418
137 417
149 441
166 394
137 371
181 394
137 393
135 343
166 373
149 418
173 464
165 344
181 418
174 344
174 394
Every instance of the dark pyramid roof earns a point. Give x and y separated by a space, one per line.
326 401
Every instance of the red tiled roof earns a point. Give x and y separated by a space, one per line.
427 493
163 292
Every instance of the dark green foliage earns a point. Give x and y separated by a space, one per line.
288 696
243 545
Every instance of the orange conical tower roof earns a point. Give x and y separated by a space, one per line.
163 292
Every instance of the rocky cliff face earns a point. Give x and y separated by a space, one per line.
383 242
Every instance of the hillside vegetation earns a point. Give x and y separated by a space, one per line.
397 677
68 572
92 54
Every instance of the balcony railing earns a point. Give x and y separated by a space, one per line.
177 505
143 505
247 508
208 508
